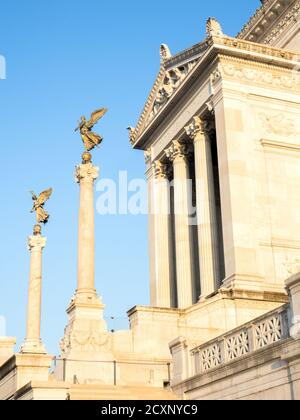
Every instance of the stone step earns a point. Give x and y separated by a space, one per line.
119 393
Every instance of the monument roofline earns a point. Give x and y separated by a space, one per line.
215 46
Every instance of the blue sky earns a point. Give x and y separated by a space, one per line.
65 59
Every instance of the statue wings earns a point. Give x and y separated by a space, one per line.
44 196
95 117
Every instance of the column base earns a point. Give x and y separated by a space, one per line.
86 332
33 347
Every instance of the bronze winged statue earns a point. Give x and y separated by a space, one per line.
38 206
89 138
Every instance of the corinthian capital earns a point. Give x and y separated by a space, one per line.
36 243
198 127
86 172
161 170
178 150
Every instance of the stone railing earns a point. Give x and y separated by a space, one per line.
251 337
257 335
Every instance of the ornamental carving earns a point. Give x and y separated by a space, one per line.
36 243
210 357
237 346
268 332
85 341
87 172
161 170
171 82
278 124
198 126
178 150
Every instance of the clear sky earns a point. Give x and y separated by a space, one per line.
64 59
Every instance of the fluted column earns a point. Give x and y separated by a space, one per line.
164 272
33 343
199 132
178 153
151 224
86 175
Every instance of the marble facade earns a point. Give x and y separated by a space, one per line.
222 145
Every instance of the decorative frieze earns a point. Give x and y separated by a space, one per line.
260 74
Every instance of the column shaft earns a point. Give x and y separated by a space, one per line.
206 207
178 153
151 229
164 260
86 175
33 343
34 296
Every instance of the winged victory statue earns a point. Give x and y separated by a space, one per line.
89 138
38 206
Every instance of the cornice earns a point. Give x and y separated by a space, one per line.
269 17
289 19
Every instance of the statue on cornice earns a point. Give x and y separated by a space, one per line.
213 28
165 52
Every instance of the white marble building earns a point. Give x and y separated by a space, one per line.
220 132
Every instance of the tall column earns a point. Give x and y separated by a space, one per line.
151 225
33 343
198 131
178 153
86 174
164 272
86 334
